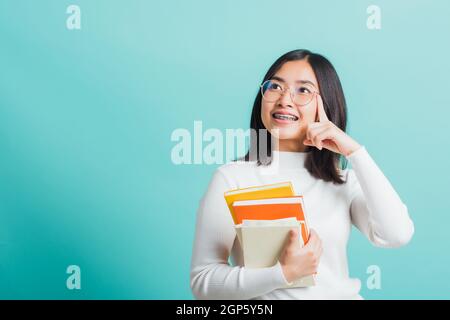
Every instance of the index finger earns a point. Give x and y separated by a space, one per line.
321 110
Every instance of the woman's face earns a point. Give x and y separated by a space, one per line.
293 75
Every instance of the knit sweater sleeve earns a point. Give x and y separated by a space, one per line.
212 277
376 209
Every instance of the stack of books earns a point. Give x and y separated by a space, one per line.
263 217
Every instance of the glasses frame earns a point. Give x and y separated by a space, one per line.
290 92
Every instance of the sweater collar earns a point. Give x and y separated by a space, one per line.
289 159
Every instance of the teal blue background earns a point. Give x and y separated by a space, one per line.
86 118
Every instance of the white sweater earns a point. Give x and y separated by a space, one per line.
366 200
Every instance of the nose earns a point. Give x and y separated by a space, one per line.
285 99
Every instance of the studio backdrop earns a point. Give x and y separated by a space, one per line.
97 97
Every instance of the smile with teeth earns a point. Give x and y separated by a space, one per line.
281 116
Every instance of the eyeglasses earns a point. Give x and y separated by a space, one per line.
272 90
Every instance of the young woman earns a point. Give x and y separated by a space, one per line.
302 103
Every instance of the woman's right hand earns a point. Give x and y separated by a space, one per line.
297 261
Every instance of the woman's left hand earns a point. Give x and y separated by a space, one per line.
325 134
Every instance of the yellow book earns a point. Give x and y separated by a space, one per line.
276 190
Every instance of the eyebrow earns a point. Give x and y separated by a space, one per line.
298 81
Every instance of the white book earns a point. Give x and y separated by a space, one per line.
262 242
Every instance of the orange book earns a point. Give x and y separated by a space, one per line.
273 209
283 189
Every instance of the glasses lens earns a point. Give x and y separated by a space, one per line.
303 98
303 94
271 90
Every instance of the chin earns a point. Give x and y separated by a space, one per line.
285 133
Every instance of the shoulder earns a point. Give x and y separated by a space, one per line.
351 185
234 171
348 175
237 167
227 177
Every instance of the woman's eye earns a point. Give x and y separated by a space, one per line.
303 90
274 86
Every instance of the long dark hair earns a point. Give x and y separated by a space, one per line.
322 164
